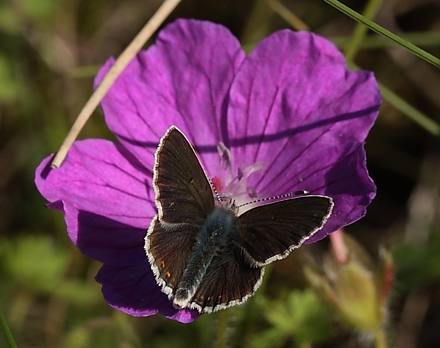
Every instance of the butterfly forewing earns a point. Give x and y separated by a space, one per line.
183 192
229 280
270 232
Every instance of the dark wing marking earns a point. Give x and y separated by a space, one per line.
270 232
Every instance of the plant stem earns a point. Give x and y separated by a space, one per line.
120 64
338 246
222 329
381 339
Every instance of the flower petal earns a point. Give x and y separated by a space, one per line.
183 80
291 104
133 290
105 240
296 107
127 281
352 190
99 176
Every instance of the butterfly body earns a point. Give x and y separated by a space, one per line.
217 234
203 255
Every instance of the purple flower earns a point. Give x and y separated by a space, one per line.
288 117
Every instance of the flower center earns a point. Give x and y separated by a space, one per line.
232 183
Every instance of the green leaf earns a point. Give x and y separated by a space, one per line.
418 265
301 317
35 261
9 21
310 317
270 338
42 11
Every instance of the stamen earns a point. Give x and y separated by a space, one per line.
232 185
225 156
217 183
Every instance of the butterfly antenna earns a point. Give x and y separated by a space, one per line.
285 195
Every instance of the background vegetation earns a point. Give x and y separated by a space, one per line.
49 53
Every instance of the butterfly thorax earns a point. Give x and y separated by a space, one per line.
218 232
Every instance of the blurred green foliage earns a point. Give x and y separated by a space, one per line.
35 263
419 265
300 317
49 53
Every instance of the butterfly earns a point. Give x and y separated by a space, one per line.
203 255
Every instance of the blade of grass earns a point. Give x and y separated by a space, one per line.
382 31
359 32
7 332
373 42
417 116
124 59
287 15
407 109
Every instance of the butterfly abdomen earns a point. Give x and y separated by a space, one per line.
219 229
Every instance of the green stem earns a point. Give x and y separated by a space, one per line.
252 312
7 332
382 31
222 328
360 30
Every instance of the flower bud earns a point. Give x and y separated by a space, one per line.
357 288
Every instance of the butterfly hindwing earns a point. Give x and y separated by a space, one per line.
270 232
169 250
183 192
229 281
